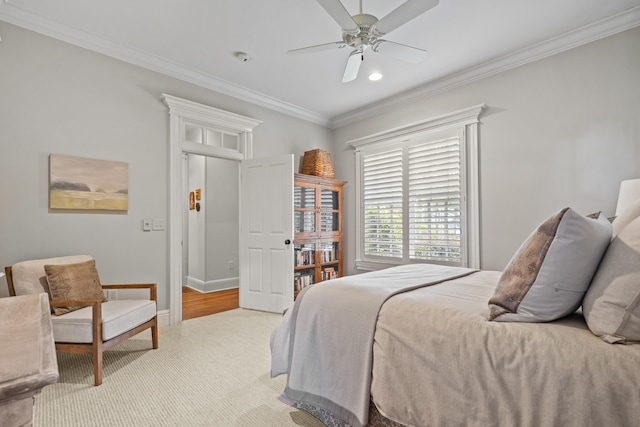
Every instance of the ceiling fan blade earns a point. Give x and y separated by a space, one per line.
338 12
401 15
400 51
317 48
353 66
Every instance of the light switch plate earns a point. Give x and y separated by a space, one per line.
158 224
146 224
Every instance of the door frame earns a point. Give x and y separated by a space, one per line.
182 113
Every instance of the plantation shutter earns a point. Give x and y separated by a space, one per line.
412 200
417 193
383 198
435 194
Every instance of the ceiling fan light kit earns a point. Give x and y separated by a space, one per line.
363 31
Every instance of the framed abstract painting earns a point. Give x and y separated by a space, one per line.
81 183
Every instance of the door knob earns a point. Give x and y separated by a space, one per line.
287 242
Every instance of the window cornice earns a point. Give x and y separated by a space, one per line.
458 118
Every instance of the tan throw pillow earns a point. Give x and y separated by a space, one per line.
611 306
549 274
71 282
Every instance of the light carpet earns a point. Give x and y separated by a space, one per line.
209 371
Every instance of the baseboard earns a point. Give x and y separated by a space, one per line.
213 285
163 318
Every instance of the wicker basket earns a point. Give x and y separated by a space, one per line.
318 163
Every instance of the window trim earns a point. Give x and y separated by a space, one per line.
466 121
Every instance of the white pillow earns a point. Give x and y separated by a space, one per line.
625 217
611 306
547 277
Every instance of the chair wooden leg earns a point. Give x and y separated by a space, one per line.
154 335
97 366
97 343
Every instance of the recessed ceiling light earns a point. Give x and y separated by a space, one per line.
375 76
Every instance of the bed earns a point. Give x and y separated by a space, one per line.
430 356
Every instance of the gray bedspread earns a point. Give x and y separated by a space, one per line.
437 361
324 343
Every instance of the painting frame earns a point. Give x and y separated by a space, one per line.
85 184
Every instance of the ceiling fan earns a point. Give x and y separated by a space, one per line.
362 31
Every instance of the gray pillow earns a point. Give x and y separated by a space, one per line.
611 306
549 274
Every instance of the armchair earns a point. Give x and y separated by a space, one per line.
98 325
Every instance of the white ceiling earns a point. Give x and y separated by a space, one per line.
195 40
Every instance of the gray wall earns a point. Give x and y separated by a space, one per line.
213 230
562 131
58 98
223 219
559 132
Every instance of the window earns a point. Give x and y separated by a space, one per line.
413 203
211 136
417 193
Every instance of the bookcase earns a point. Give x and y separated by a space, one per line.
317 222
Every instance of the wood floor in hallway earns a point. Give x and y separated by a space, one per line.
198 304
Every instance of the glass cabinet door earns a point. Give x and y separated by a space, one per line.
328 260
329 210
304 204
318 230
304 265
329 199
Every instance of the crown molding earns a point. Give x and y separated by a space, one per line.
16 16
587 34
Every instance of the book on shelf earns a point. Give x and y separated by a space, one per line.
304 256
301 281
329 273
329 254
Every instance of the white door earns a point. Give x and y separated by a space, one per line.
266 233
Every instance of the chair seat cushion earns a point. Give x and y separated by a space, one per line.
118 316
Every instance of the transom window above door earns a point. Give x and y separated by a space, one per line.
211 136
